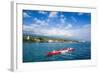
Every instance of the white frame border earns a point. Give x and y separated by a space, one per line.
17 65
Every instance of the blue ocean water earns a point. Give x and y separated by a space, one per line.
37 52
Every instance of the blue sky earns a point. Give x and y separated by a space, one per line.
69 25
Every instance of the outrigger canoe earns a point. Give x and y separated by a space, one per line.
55 52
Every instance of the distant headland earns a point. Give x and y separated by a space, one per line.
35 39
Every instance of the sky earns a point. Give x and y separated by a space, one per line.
68 25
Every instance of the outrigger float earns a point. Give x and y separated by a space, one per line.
55 52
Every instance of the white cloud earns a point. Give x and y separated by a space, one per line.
87 26
53 14
41 29
62 16
57 32
40 22
69 26
83 33
63 29
80 13
73 19
26 15
63 20
37 20
42 12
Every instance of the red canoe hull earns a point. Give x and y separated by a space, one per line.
53 53
60 51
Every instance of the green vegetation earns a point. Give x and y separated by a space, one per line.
44 39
